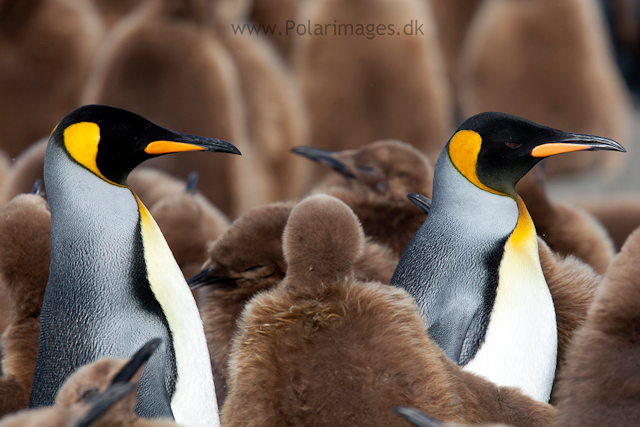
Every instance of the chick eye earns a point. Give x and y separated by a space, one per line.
254 268
513 145
368 168
89 393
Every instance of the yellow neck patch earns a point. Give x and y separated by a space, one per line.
81 141
524 235
463 151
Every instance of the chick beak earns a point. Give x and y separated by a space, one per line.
424 203
204 278
568 142
137 360
325 158
180 142
112 395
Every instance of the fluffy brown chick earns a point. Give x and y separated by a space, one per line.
113 10
100 394
46 48
601 382
325 349
364 87
25 227
275 114
189 224
240 266
567 229
620 215
550 61
25 170
276 12
374 182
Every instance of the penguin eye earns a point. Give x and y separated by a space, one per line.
513 145
254 268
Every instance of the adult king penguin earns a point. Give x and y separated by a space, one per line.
113 282
473 266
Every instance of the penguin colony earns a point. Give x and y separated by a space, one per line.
320 295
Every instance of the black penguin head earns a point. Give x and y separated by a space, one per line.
495 150
111 142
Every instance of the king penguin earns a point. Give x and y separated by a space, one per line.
113 282
473 266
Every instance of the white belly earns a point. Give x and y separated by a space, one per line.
521 341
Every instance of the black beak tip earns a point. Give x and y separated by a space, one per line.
422 202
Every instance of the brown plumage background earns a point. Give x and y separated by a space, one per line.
249 72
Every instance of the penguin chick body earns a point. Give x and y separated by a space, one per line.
327 349
566 228
238 268
620 215
473 266
113 283
601 382
550 61
25 229
374 181
25 170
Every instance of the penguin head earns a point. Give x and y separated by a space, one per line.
110 142
385 169
495 150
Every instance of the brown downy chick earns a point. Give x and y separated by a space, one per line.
239 267
367 86
325 348
550 61
453 18
567 229
620 215
375 180
275 113
168 50
26 169
46 48
277 12
96 378
601 382
189 224
100 394
113 10
417 418
25 227
78 415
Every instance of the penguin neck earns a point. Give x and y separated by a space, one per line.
521 339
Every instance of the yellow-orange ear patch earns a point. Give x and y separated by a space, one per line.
463 151
81 141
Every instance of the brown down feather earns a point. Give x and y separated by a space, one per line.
362 88
551 62
323 348
384 172
25 227
620 215
251 266
600 384
46 49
